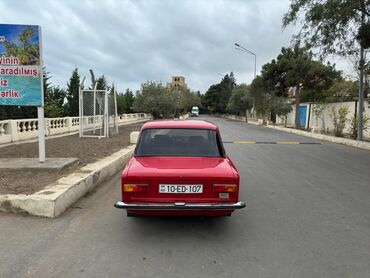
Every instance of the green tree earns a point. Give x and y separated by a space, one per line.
211 100
102 83
341 90
153 98
240 100
217 96
125 102
185 100
28 54
54 102
73 94
293 67
335 27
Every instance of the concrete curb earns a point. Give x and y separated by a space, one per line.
54 199
338 140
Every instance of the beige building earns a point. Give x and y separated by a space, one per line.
177 82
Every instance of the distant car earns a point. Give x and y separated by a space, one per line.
194 111
180 168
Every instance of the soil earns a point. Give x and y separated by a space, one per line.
88 150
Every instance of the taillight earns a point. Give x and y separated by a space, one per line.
129 187
228 188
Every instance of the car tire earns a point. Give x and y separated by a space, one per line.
130 214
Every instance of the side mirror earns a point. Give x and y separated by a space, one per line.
134 136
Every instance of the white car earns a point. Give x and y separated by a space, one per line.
194 111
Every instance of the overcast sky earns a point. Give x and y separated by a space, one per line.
131 42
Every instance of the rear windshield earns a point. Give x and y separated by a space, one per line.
179 142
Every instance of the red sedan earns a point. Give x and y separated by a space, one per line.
180 168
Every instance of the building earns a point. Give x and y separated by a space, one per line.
177 82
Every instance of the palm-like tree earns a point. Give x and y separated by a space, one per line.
27 54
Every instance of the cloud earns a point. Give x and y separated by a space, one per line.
134 41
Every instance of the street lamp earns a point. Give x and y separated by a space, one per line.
242 48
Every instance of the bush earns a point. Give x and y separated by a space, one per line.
319 111
339 119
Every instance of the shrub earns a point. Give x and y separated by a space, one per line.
339 119
319 111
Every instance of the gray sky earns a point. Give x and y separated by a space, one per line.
135 41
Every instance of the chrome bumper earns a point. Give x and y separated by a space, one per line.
180 206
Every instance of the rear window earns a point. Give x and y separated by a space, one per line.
179 142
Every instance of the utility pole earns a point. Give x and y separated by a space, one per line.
297 102
361 89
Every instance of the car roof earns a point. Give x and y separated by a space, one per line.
180 124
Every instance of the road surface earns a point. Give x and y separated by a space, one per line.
308 215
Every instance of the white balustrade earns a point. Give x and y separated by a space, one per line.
5 136
16 130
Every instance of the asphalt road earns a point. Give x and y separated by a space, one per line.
308 215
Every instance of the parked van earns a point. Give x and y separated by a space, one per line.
194 111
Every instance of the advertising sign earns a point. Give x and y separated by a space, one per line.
20 65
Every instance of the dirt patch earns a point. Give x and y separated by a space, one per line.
88 150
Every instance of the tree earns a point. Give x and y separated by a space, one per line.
341 90
73 94
27 53
54 102
217 96
153 98
293 67
335 27
211 99
125 102
240 100
102 83
185 100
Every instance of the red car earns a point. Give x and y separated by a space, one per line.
180 168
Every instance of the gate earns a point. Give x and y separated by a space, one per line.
302 116
98 113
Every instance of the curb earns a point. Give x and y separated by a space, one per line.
332 139
55 198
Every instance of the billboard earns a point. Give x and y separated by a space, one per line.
20 65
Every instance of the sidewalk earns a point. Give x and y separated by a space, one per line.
87 150
49 192
339 140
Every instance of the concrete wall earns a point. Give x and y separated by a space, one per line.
317 124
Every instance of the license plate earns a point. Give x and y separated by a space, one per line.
181 188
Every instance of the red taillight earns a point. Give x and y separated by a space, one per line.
129 187
227 188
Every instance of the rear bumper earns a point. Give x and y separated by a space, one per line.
180 206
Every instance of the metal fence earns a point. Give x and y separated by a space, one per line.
98 113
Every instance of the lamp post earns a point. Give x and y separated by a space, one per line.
242 48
